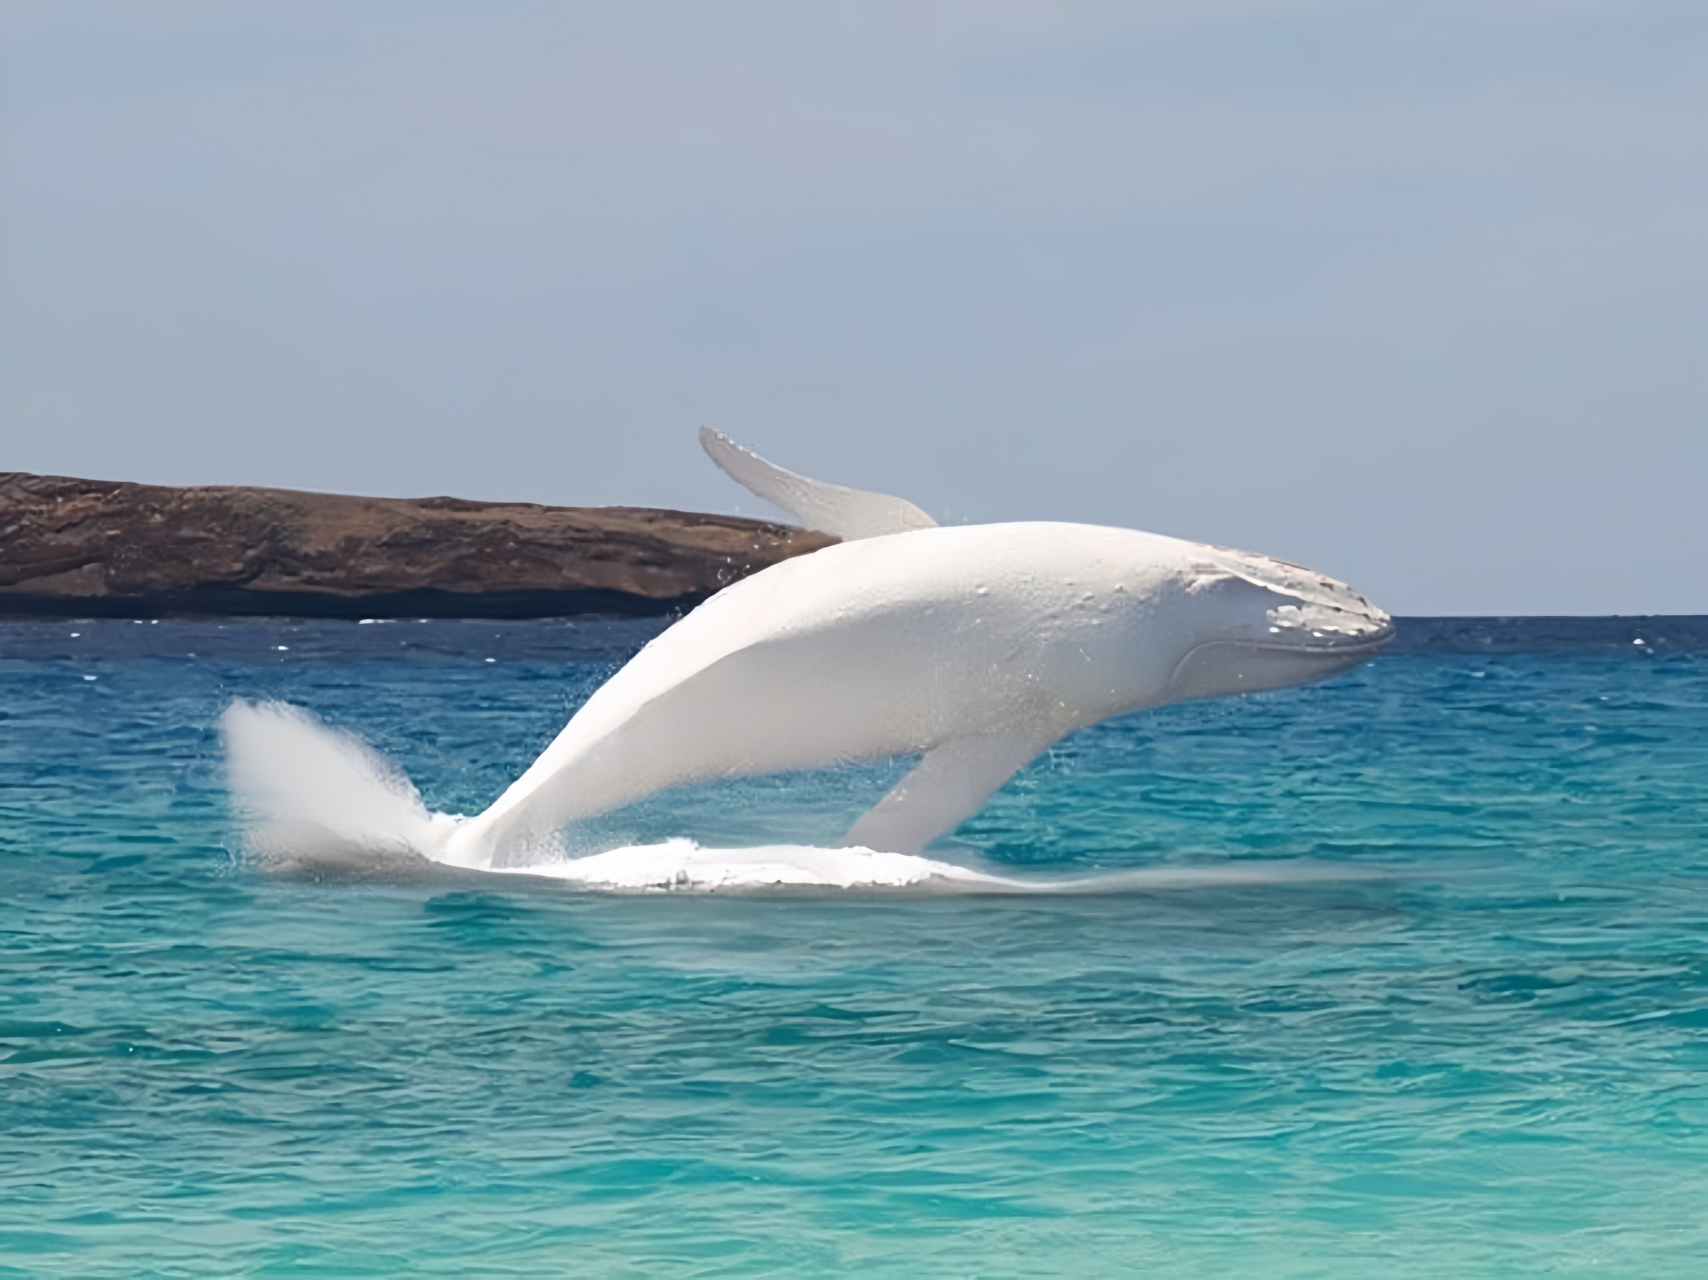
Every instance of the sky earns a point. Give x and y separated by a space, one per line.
1413 294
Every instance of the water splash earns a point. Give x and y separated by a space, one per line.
308 793
316 801
681 865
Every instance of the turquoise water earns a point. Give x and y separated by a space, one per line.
1491 1060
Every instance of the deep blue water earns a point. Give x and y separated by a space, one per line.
1494 1061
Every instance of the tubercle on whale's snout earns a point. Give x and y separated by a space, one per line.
1348 644
1310 626
1314 601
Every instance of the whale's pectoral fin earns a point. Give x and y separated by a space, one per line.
944 789
828 508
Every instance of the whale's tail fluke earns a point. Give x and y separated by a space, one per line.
827 508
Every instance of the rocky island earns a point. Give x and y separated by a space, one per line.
94 548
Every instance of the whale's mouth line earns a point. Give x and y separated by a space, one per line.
1322 646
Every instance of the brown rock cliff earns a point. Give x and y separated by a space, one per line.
105 548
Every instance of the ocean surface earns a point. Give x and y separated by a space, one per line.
1414 983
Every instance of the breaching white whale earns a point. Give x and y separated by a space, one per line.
975 647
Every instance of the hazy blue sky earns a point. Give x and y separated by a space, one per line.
1415 294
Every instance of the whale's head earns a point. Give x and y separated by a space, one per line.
1261 623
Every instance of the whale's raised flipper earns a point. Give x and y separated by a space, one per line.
828 508
945 788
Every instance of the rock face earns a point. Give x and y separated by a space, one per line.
92 548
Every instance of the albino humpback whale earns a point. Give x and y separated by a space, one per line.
975 647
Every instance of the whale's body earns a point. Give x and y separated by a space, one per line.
974 647
977 646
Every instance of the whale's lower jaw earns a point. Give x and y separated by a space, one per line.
1223 666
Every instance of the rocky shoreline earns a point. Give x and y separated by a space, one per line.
93 548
